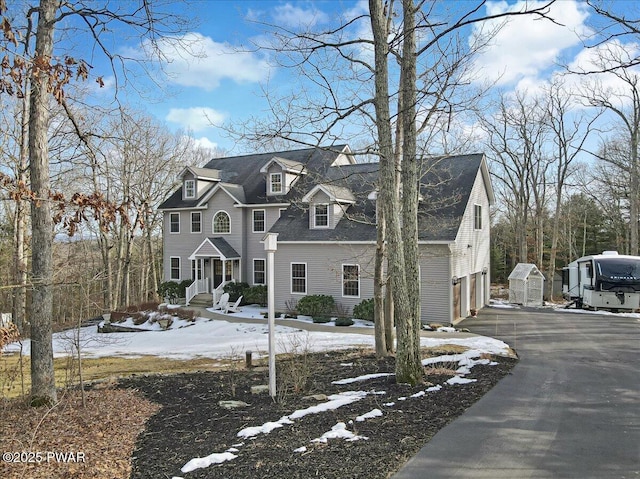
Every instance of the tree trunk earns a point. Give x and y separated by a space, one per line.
43 389
378 288
408 360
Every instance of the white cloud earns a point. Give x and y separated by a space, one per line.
198 61
526 45
291 16
205 143
197 118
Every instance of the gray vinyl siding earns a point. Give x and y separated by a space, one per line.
254 249
185 243
435 284
324 271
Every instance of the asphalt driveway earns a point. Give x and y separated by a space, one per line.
570 408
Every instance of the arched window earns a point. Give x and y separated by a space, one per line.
221 223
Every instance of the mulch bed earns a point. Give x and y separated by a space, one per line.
191 424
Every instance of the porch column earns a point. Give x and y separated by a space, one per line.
224 269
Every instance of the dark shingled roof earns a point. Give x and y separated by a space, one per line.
244 170
225 248
445 187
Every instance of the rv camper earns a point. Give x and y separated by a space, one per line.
604 281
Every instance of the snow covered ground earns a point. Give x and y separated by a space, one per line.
218 339
214 338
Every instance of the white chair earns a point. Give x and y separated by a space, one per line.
223 303
233 308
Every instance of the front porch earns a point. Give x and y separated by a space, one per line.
214 264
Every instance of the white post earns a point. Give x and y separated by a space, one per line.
270 246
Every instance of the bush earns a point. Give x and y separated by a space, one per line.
344 322
256 295
182 287
364 310
236 290
321 319
316 305
170 291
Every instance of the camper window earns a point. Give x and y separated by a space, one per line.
589 270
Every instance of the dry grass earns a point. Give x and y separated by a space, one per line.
96 369
443 349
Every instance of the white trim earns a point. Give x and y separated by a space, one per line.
213 221
179 278
253 273
306 276
179 221
309 196
195 190
343 280
264 221
191 222
261 205
185 208
217 187
281 175
321 227
474 217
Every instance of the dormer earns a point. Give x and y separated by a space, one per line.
196 180
281 174
327 205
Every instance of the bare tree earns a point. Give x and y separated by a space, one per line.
517 136
623 101
48 78
569 136
404 80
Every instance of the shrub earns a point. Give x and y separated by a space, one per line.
256 295
236 290
169 290
344 322
321 319
182 287
316 305
364 310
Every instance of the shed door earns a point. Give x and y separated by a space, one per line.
457 295
474 302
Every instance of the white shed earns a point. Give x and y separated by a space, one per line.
526 285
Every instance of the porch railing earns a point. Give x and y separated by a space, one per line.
198 286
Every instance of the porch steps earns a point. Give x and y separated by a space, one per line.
202 300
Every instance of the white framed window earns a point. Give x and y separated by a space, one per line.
275 182
477 217
259 271
174 273
174 222
221 223
196 222
321 216
196 269
299 278
259 223
351 280
189 188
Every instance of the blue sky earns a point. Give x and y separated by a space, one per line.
225 82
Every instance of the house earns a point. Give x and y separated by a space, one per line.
322 205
